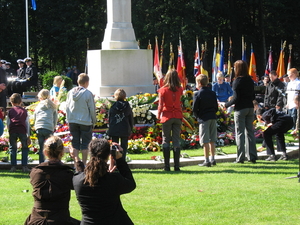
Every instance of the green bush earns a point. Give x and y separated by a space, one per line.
48 77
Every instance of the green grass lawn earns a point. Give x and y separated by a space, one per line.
225 194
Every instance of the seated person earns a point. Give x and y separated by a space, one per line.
30 79
222 89
52 184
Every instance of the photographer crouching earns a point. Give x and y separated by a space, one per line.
98 187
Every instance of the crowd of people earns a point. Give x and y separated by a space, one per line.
99 181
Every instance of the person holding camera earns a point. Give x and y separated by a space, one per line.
99 186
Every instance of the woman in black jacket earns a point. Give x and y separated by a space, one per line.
243 96
98 188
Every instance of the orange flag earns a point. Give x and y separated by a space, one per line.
252 66
280 66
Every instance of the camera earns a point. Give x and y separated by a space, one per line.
113 151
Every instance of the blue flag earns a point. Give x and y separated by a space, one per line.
33 4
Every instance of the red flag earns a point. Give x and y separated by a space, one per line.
252 66
156 69
181 65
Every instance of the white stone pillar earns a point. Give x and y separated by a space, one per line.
119 33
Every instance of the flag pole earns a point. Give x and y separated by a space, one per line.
27 29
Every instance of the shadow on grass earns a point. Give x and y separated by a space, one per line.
261 167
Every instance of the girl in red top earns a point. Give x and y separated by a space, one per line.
170 115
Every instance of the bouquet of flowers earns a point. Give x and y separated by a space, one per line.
141 104
102 107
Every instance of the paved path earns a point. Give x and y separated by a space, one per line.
153 164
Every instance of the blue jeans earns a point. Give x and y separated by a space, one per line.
42 135
13 138
293 113
245 140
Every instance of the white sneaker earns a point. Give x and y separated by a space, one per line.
13 169
25 169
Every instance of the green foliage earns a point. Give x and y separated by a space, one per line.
47 80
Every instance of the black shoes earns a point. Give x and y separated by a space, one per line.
208 164
271 158
252 161
213 162
283 157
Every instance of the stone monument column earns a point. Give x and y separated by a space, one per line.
119 33
120 63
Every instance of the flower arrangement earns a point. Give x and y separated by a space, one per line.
137 146
102 107
224 119
141 104
4 144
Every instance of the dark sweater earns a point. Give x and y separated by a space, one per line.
120 119
101 204
243 93
205 104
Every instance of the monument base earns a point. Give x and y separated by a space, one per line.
129 69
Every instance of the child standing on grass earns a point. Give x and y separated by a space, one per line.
81 116
205 107
18 127
45 119
120 120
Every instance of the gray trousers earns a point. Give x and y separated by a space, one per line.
245 140
171 131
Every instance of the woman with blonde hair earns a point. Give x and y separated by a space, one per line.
170 115
57 81
45 119
52 184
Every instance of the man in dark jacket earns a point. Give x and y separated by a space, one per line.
274 97
3 85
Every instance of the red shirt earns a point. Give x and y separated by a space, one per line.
169 104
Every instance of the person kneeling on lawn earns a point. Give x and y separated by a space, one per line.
278 124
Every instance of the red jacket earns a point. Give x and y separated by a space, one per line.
169 104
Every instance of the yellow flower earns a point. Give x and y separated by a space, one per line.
218 113
189 93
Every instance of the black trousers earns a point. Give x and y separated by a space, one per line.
279 128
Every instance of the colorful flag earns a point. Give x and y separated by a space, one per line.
203 60
181 65
33 3
171 61
149 45
252 66
161 52
280 66
229 66
214 63
269 65
289 65
156 69
221 59
197 60
244 49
